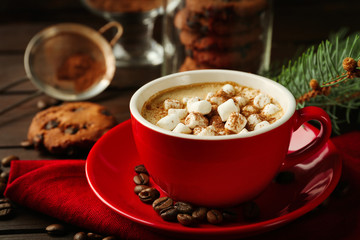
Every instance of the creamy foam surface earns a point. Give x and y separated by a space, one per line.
241 109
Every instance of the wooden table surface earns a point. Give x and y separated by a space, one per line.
297 25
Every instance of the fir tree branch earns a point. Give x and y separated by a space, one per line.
324 63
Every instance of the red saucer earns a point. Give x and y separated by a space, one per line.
110 170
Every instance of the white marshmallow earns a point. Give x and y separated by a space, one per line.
250 93
253 119
241 101
217 100
208 131
203 107
191 101
226 109
193 120
209 96
172 103
244 131
168 122
270 109
261 125
182 128
249 109
236 122
197 130
185 100
261 100
181 113
229 89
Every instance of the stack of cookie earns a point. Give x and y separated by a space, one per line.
221 34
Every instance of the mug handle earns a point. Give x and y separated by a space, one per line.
300 117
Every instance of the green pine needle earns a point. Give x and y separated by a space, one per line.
324 64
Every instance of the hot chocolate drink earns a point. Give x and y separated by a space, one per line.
212 109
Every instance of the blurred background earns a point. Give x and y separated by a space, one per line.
297 23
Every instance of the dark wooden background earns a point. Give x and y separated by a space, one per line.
298 24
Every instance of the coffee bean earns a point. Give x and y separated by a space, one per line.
26 144
141 179
140 169
199 215
139 188
185 219
214 216
94 236
251 211
6 213
184 207
80 236
169 214
56 230
109 238
149 195
285 177
7 160
4 177
162 203
6 209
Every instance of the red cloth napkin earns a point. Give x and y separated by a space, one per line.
59 188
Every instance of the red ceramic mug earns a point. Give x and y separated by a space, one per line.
222 170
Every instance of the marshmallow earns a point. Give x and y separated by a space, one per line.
250 93
227 108
261 125
168 122
185 100
208 131
182 128
248 110
270 109
261 100
253 119
217 100
197 130
241 101
244 131
181 113
235 123
228 89
209 96
196 120
172 103
191 101
202 106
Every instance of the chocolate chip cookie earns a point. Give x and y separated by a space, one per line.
219 42
224 8
71 128
229 59
196 22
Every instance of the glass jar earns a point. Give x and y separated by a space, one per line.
222 34
136 47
